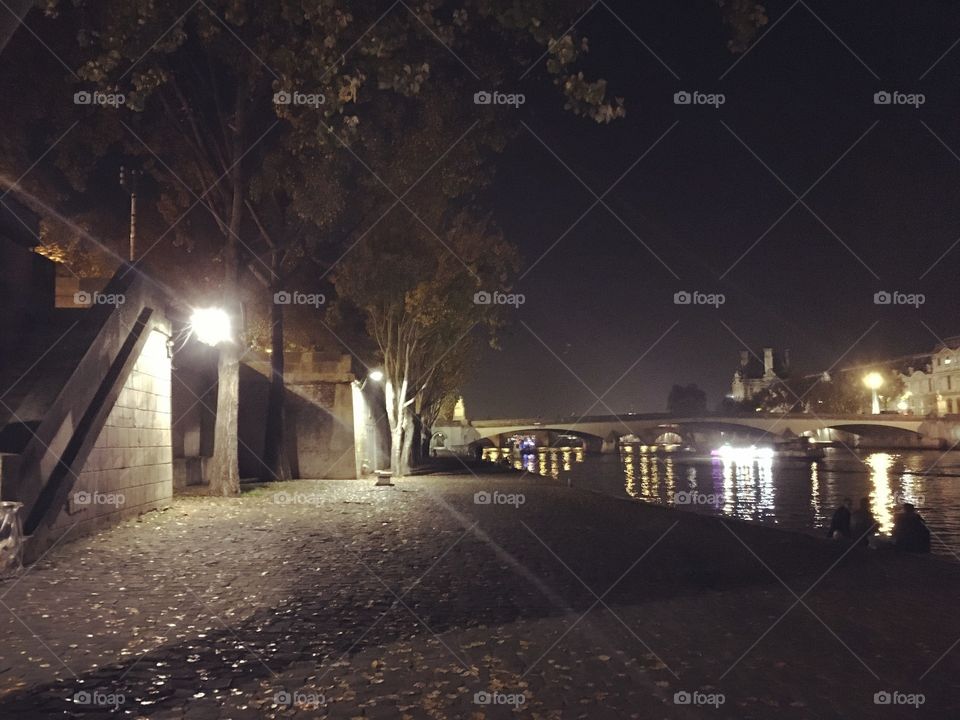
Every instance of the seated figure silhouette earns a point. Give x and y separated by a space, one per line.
910 532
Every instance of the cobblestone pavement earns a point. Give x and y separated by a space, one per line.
339 599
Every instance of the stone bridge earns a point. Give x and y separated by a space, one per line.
899 430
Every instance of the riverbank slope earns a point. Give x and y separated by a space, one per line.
408 601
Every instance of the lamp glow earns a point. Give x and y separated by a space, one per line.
376 375
743 455
873 381
211 326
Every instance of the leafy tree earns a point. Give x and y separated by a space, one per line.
418 298
199 83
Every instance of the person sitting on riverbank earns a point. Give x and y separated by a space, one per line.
862 523
840 522
910 532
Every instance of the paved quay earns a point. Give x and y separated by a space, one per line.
425 600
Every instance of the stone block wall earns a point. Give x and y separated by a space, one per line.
130 468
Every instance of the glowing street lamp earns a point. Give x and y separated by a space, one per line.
376 375
211 326
873 381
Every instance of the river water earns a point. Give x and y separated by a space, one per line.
788 493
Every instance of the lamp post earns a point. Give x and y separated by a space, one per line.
375 375
873 381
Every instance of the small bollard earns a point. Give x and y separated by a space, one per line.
11 538
383 478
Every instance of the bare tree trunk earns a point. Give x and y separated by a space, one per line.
394 402
425 437
275 460
407 447
416 440
224 474
396 450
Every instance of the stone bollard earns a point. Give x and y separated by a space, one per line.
11 538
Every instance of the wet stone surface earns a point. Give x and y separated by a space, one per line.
338 599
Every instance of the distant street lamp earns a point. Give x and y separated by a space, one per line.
211 326
874 381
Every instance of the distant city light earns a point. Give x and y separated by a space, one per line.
211 326
873 381
743 455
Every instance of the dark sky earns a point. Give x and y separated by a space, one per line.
598 303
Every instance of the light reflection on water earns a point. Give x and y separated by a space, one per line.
789 493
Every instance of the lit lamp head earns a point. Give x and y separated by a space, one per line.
873 380
375 375
211 326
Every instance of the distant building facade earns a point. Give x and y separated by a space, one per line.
455 436
934 390
754 375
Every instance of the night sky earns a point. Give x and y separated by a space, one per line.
885 210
